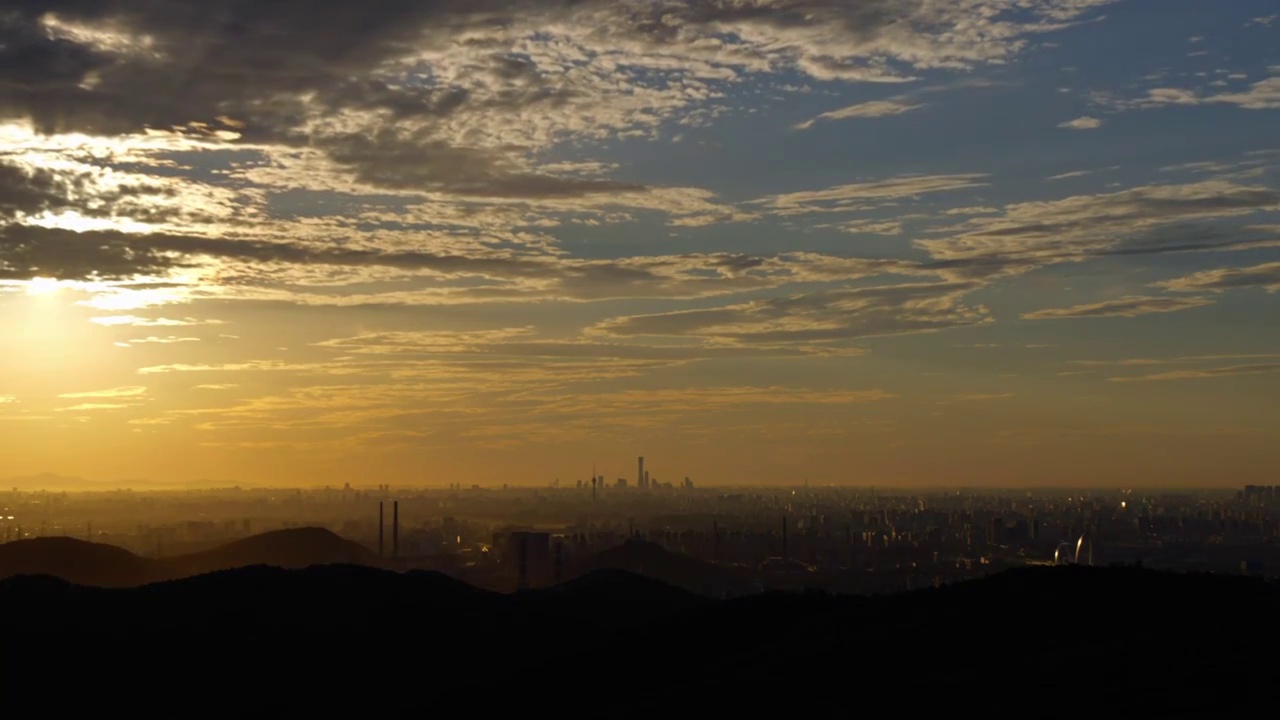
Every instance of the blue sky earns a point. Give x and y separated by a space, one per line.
985 242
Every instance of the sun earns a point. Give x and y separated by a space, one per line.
43 286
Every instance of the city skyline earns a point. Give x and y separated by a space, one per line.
887 243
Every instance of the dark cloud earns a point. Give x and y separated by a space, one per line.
281 69
28 251
28 191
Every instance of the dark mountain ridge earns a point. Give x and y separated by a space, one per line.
1064 638
102 565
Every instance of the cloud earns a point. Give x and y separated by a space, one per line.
1181 359
119 392
516 342
1132 306
135 321
91 407
8 399
1230 371
1143 220
153 340
975 397
1068 175
872 227
110 255
820 317
392 91
1082 123
1266 276
1261 95
855 196
872 109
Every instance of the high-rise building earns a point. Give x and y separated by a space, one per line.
640 472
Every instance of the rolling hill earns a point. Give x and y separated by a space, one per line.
101 565
1059 642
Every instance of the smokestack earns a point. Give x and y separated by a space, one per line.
848 541
559 562
381 524
784 540
524 561
395 529
715 533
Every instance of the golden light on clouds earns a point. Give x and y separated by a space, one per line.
849 241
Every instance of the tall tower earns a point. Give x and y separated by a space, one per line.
640 472
395 529
381 525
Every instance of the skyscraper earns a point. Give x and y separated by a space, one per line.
640 472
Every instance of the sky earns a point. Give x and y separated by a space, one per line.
871 242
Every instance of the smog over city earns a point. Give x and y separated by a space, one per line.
642 356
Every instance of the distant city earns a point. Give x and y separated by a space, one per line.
720 541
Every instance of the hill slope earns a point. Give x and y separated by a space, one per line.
292 548
77 561
1066 640
101 565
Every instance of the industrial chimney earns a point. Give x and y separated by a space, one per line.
784 541
381 524
395 529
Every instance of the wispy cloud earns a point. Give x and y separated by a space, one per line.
135 321
1266 276
975 398
1082 123
1132 306
860 195
119 392
1176 360
153 340
872 109
1261 95
1203 374
1069 175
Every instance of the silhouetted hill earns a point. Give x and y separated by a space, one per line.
654 561
624 598
292 548
1049 641
77 561
100 565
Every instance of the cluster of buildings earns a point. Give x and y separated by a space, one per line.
643 481
842 538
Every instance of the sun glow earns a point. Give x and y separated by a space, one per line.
76 222
43 286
